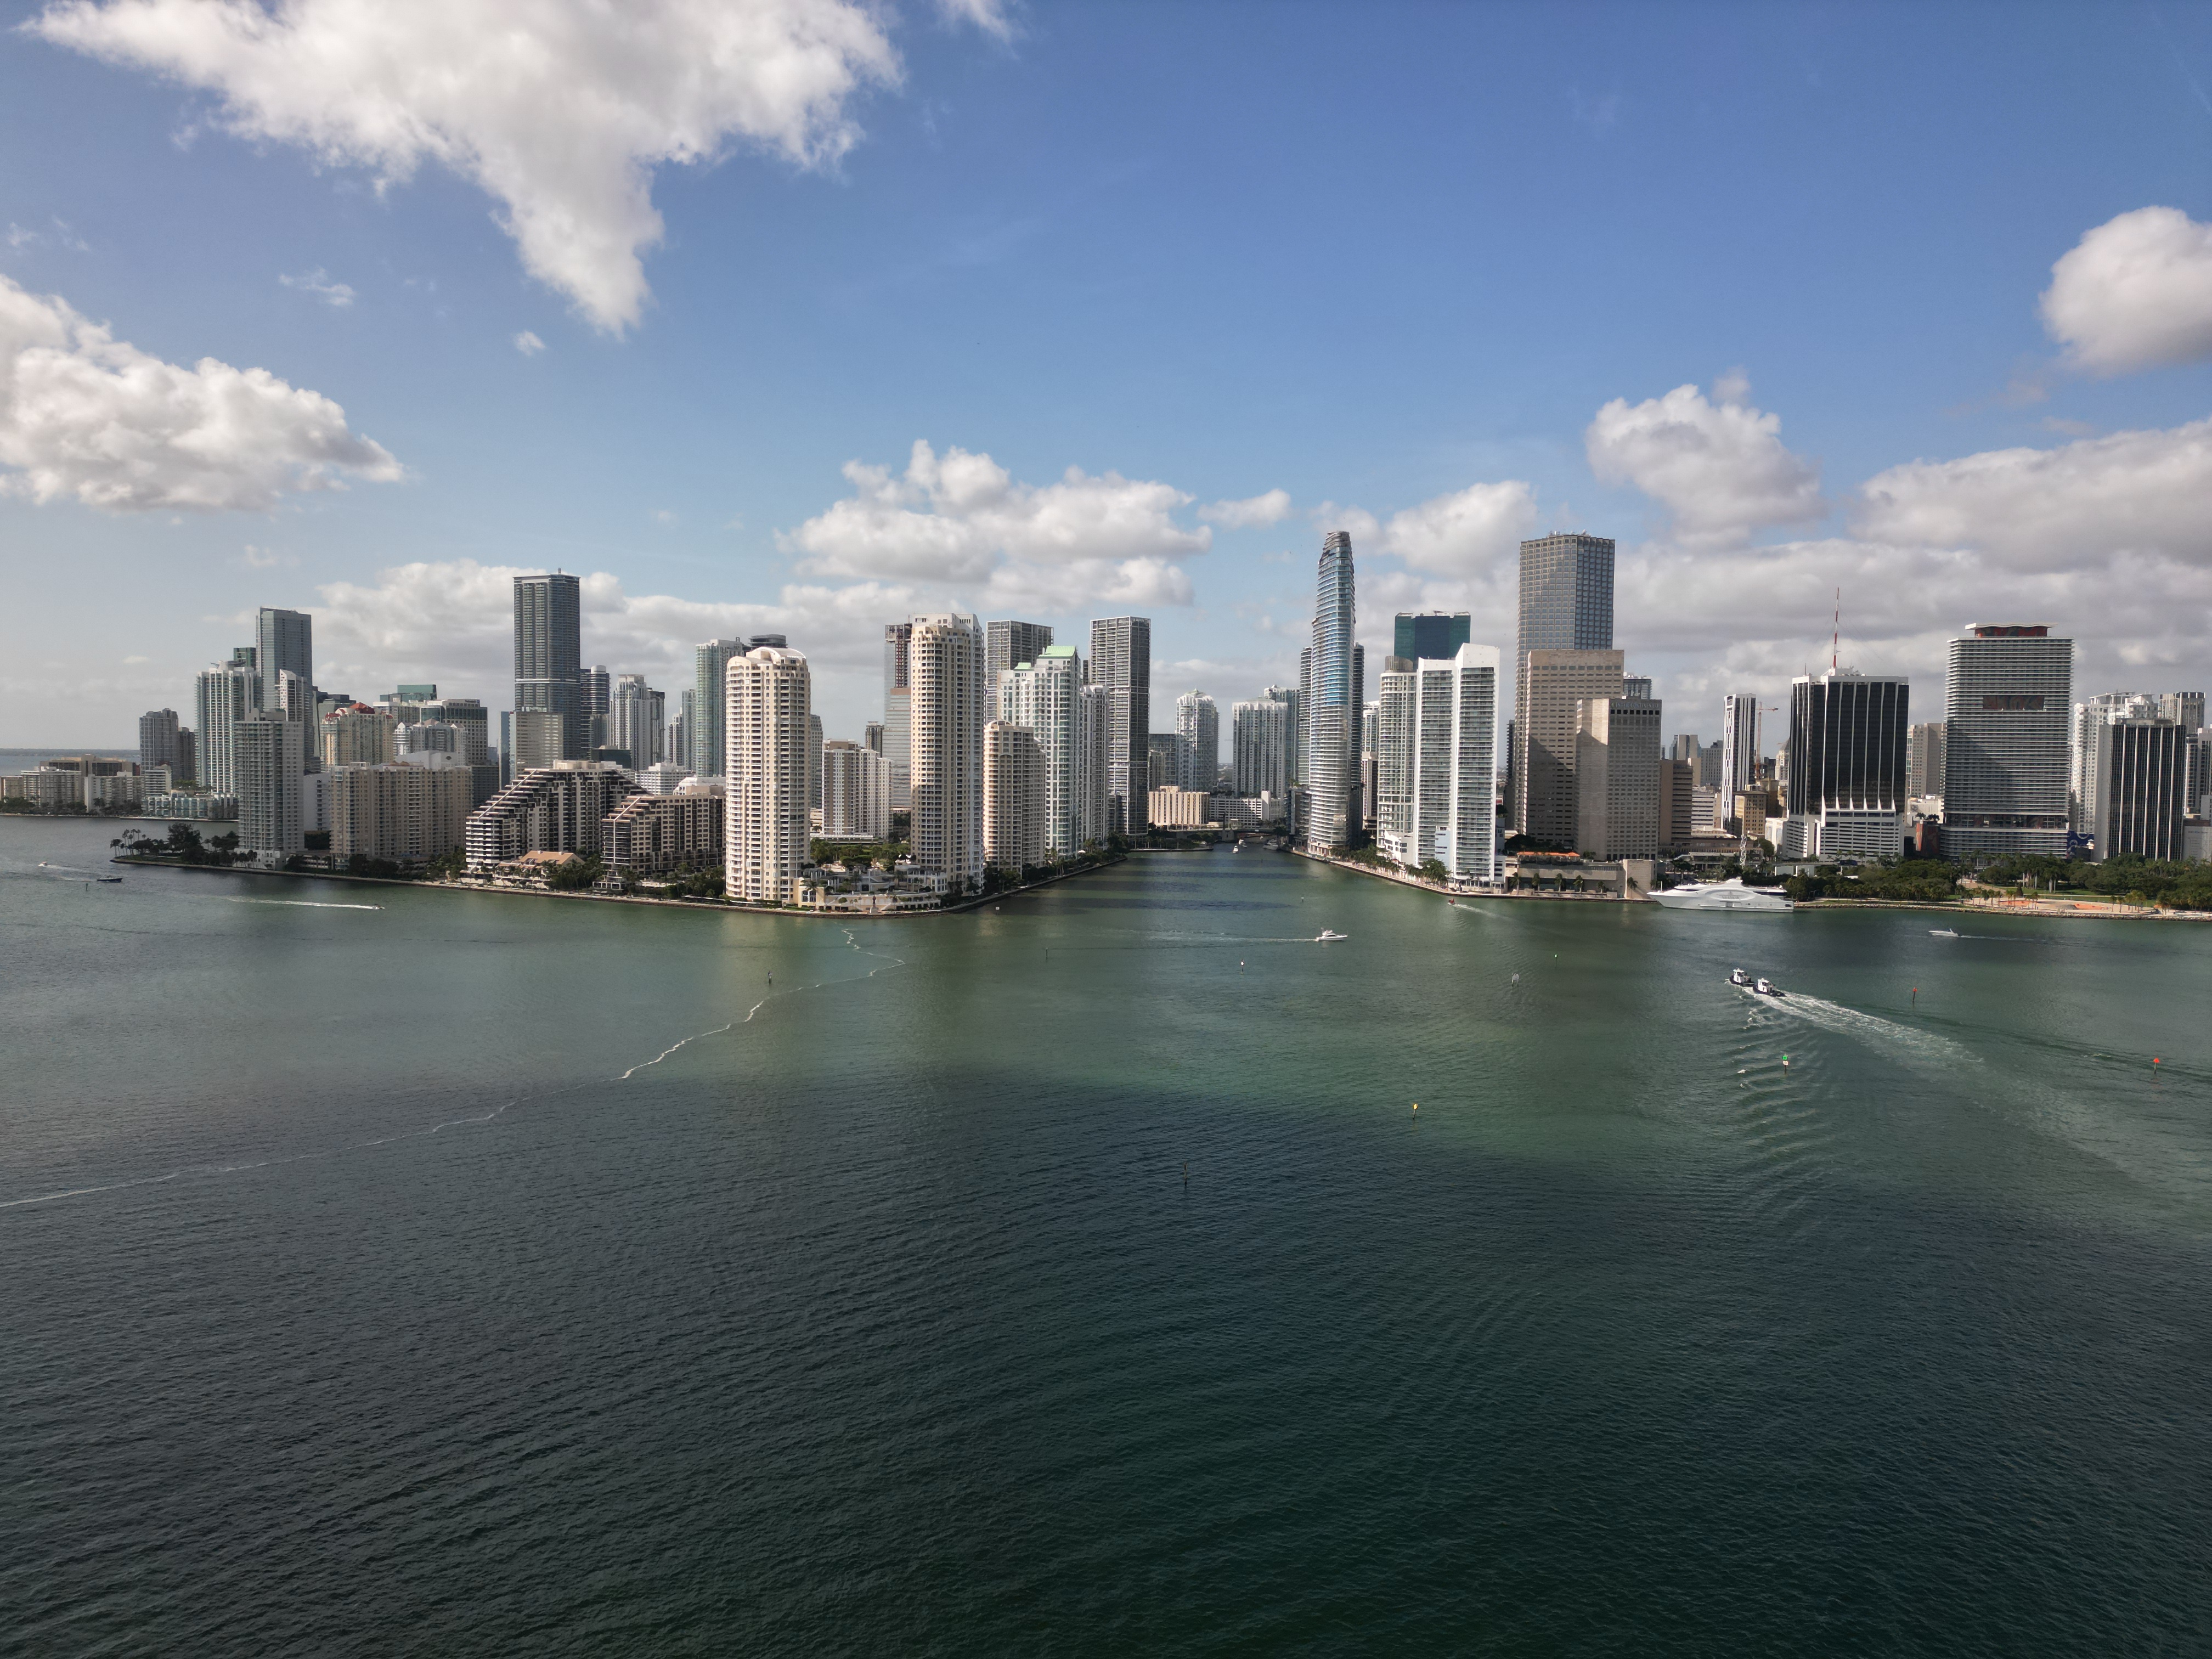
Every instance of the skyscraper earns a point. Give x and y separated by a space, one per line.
225 695
1332 746
1044 696
1436 762
1923 760
2142 785
1197 722
549 665
1566 605
1121 663
710 673
1094 741
157 742
1437 633
856 793
1617 777
946 652
1553 685
767 698
2006 706
1740 746
598 695
1013 798
633 720
1008 645
283 643
1260 745
1847 790
268 761
898 713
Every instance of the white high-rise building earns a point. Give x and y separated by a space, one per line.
270 756
2007 699
226 693
1094 764
1122 662
946 668
898 712
856 793
1740 745
1197 722
1009 645
1436 750
1013 798
1260 745
1045 697
767 700
635 712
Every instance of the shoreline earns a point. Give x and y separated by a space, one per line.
723 906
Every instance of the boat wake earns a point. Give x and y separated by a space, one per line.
191 1171
1868 1028
307 904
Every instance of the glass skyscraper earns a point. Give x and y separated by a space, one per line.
549 668
1332 745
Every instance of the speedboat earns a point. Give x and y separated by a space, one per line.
1737 976
1325 936
1942 932
1730 895
1765 986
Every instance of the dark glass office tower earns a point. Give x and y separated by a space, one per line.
549 669
1848 775
283 643
1434 633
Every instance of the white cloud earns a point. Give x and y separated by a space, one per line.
1253 512
87 416
1363 526
2130 492
559 110
319 284
1460 534
1719 469
2133 293
19 237
962 521
989 16
528 344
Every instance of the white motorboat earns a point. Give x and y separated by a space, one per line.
1942 932
1730 895
1325 936
1765 986
1737 976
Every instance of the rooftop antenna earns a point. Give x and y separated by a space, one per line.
1835 639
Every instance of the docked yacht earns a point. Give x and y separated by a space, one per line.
1730 895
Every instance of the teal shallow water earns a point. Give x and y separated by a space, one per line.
383 1312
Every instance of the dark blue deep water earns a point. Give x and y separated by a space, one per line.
1077 1279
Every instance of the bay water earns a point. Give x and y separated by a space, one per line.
407 1271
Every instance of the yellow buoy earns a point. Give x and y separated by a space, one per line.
1417 1105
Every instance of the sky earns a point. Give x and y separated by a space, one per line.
808 315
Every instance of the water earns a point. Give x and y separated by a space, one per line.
479 1274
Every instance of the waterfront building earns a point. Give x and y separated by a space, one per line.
1094 747
283 643
2141 788
945 654
1177 808
1436 762
1197 723
195 805
549 673
2006 702
1847 787
2085 769
1740 743
1566 593
158 744
898 712
1045 698
1554 684
357 736
1678 805
269 757
1121 663
1438 633
552 809
224 695
856 793
1008 645
1617 777
767 700
710 670
1260 734
1013 798
408 814
1565 604
1332 735
656 835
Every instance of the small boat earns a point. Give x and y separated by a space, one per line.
1765 986
1737 976
107 878
1325 936
1942 932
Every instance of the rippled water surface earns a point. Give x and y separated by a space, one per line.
473 1275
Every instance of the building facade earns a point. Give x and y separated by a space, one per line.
269 758
1436 762
898 712
1122 665
768 699
658 835
358 735
158 744
1554 685
1437 633
1259 754
710 672
2141 794
856 793
1617 778
1045 696
946 655
225 695
549 664
1332 734
1850 735
555 809
409 814
1197 723
1013 798
1008 645
283 643
1923 761
2008 699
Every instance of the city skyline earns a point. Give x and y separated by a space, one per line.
1952 409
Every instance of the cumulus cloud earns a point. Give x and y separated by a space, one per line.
1719 469
1253 512
2133 293
559 109
86 416
528 344
319 284
2130 492
1458 534
962 521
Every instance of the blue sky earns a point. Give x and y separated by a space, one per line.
1434 273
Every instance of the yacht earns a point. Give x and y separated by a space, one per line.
1325 936
1730 895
